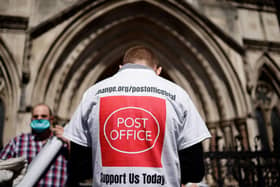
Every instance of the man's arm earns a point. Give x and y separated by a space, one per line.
8 151
79 165
192 164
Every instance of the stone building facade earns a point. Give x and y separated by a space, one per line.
224 53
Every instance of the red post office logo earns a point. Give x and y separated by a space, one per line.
132 130
133 125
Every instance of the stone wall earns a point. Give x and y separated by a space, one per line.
242 36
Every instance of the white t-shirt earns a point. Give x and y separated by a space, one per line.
136 122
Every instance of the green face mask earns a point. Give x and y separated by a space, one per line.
40 125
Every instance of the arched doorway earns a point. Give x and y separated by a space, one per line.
90 48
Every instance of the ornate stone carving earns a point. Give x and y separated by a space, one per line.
263 94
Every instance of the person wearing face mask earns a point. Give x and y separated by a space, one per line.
30 144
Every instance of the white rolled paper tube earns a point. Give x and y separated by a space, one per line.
42 160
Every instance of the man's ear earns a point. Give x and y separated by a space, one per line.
158 70
51 119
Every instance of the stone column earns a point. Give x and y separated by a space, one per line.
267 118
243 131
213 132
228 134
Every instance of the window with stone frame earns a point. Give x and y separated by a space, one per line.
267 113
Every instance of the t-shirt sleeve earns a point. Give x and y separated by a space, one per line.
77 130
192 128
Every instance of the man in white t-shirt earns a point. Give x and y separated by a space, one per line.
143 129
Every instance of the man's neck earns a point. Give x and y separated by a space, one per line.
43 136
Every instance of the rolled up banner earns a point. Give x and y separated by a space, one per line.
39 164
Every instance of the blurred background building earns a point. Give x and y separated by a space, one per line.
224 53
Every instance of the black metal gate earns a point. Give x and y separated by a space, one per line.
242 169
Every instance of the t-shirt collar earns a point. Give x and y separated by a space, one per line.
134 66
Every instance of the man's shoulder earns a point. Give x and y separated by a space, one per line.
18 139
92 90
23 136
172 85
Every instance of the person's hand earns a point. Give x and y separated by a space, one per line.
190 185
58 132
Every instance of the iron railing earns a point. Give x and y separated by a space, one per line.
256 2
242 169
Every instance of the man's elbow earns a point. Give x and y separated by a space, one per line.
197 177
192 164
193 175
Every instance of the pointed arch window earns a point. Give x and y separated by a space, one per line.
267 113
